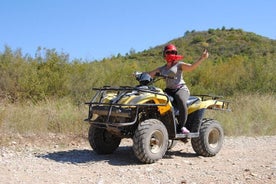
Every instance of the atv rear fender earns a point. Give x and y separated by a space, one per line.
209 102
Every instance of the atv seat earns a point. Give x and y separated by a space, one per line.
192 100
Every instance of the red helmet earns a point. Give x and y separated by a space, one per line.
170 48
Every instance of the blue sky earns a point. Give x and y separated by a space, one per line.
92 30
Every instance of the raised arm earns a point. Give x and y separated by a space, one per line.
190 67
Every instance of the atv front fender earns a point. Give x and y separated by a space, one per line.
160 100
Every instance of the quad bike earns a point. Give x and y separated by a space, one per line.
146 114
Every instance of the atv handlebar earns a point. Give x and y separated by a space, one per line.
145 79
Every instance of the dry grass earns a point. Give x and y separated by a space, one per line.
51 116
251 115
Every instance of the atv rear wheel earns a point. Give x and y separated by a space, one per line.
150 141
102 141
210 138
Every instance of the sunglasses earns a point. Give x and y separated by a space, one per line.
171 52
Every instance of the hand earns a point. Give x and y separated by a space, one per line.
205 54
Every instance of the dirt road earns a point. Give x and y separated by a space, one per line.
65 160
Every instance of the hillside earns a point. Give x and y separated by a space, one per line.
221 43
239 62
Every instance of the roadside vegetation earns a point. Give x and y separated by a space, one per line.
46 93
251 115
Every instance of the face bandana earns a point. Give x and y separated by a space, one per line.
172 57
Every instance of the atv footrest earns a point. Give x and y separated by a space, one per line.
189 135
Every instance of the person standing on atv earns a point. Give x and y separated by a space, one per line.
175 84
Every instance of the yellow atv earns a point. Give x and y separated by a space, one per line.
146 114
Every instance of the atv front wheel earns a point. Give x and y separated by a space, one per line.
102 141
150 141
210 138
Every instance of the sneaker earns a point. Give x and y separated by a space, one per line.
184 130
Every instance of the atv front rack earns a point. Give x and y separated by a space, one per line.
113 108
